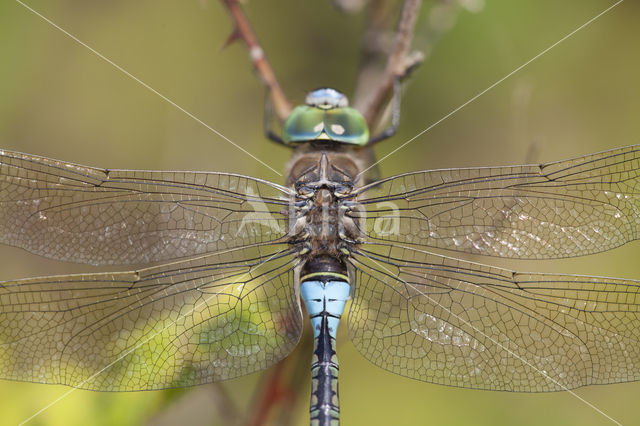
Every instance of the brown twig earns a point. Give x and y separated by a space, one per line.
398 63
374 49
244 31
373 85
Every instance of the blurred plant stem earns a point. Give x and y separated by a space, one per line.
242 30
373 89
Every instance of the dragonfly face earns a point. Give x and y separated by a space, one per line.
326 116
228 250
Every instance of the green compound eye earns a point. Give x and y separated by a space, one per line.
305 123
346 125
326 117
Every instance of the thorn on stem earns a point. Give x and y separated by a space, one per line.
233 37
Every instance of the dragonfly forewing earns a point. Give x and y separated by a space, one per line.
568 208
70 212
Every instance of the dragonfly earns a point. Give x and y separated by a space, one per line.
234 261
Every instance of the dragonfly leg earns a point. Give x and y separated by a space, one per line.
395 114
396 100
268 122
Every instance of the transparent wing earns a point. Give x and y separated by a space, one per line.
568 208
179 324
82 214
451 322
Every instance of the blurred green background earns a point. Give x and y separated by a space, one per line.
60 100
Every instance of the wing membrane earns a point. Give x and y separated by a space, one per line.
451 322
568 208
179 324
82 214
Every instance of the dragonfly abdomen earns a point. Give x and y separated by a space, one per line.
325 289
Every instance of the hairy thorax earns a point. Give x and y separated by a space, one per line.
324 182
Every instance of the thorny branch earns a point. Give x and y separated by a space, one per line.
373 86
399 60
244 31
371 101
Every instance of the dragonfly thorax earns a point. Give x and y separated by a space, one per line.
326 116
323 184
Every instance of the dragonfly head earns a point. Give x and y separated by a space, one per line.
326 116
